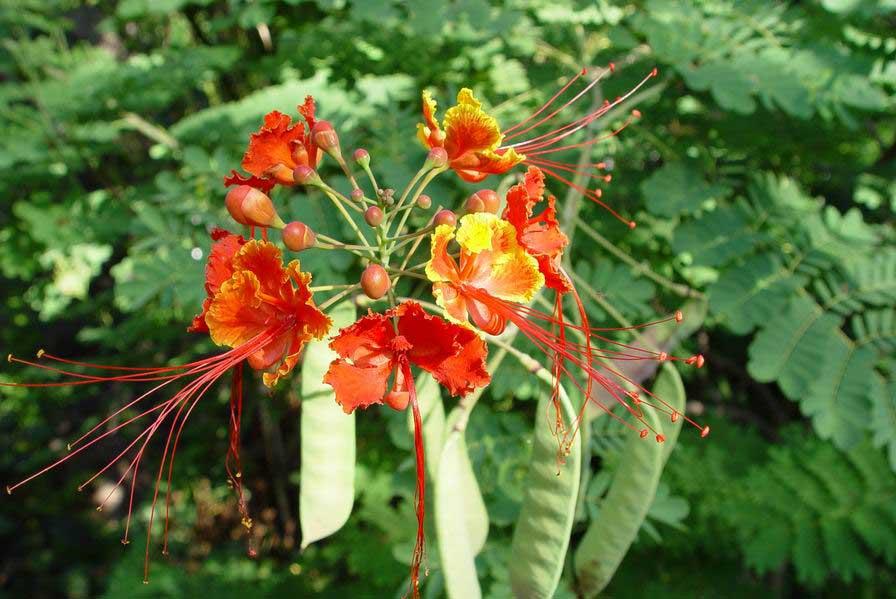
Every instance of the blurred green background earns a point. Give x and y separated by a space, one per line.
762 179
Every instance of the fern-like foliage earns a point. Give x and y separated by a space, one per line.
828 512
817 287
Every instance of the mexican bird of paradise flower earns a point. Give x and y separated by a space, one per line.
277 148
259 308
382 346
485 271
477 146
491 283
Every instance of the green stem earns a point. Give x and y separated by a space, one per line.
639 268
348 218
338 296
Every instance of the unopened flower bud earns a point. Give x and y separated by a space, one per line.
437 158
325 137
424 201
375 281
298 236
361 157
397 400
234 203
357 194
305 175
445 217
490 201
300 154
249 206
374 216
474 205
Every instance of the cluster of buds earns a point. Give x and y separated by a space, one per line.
486 265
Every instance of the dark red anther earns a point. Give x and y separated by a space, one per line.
705 431
660 439
643 433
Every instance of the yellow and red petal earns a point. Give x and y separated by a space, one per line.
428 132
236 314
540 236
264 260
441 266
468 128
270 148
450 299
476 166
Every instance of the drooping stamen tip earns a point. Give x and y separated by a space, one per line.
145 581
660 439
584 71
125 542
252 552
8 490
643 433
40 353
165 552
632 224
654 72
674 416
636 113
704 432
68 446
99 508
696 360
9 358
612 67
679 316
598 193
80 488
600 165
663 356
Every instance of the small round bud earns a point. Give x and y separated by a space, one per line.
249 206
325 136
298 236
474 205
374 216
375 281
424 201
679 316
490 200
437 158
305 175
357 194
362 157
445 217
397 400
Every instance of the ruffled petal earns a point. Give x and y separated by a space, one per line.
358 386
441 266
453 354
236 314
428 132
468 128
258 183
540 236
476 166
218 269
270 152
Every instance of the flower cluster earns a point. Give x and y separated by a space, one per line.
489 266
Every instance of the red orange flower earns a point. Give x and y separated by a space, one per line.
261 295
477 146
218 269
372 348
491 261
540 235
471 138
277 148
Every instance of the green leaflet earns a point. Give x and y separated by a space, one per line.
461 517
541 536
327 488
631 493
